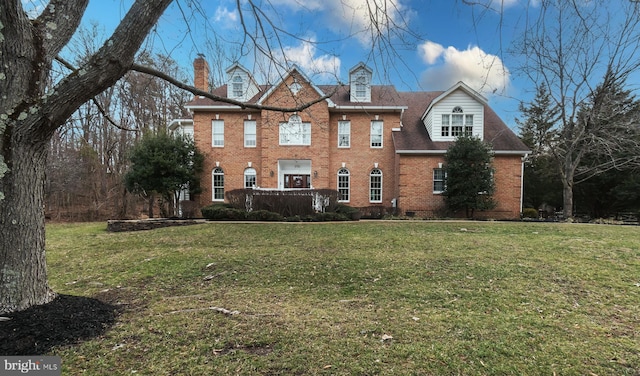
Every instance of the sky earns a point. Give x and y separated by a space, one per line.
431 44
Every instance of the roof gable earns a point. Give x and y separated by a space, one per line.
294 72
459 86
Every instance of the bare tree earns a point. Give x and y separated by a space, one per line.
578 50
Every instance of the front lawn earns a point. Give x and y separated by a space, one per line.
364 298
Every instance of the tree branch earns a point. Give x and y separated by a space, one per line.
58 22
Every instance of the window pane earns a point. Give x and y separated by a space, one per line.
250 133
375 186
438 180
218 184
295 134
249 178
343 184
344 134
376 134
217 132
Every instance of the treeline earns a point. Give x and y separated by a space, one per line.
89 154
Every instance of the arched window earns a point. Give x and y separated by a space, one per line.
344 185
375 185
218 184
457 123
250 178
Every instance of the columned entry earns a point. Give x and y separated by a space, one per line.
294 173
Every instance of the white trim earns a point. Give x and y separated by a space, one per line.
379 108
495 152
460 85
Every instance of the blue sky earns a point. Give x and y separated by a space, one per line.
451 40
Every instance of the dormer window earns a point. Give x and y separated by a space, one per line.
360 83
237 86
361 87
240 85
456 123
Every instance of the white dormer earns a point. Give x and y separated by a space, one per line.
457 111
360 83
240 84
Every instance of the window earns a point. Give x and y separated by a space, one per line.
376 134
344 134
375 185
439 180
295 132
217 133
343 185
250 178
456 123
218 184
361 87
237 86
249 133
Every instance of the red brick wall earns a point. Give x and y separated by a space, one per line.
326 158
416 187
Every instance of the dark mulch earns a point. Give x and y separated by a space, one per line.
64 321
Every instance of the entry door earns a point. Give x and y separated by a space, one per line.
297 181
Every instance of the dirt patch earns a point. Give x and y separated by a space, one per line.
65 321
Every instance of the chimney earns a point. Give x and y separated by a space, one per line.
201 73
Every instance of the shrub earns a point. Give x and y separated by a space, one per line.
329 216
222 212
264 215
530 213
375 212
348 211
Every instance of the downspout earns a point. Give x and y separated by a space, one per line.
522 182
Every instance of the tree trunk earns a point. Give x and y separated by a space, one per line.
30 113
23 269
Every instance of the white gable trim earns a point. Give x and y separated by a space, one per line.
460 85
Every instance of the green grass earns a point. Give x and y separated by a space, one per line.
467 298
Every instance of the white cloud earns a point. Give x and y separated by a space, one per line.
483 72
304 55
430 51
227 18
355 17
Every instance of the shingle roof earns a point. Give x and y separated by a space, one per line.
414 136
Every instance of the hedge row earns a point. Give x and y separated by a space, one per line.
225 212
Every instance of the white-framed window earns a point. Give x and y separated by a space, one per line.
250 177
361 87
439 180
237 85
344 134
375 185
456 123
217 133
295 132
217 177
249 133
376 133
344 185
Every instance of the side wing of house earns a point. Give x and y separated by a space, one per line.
431 125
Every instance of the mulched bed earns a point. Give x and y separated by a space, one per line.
65 321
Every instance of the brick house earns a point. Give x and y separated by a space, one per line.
375 145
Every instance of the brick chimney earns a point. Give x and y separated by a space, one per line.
201 73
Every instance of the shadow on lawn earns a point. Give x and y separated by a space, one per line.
64 321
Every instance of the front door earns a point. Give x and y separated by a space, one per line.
297 181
